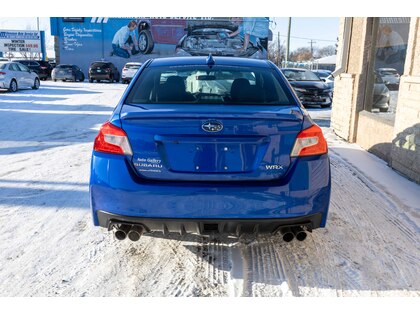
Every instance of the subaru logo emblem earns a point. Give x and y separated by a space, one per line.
212 126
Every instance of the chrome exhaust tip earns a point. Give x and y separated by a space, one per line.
299 233
287 234
135 233
121 232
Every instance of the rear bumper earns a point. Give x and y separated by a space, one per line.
325 100
95 76
209 226
63 77
117 190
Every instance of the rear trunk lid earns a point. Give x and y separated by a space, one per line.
217 143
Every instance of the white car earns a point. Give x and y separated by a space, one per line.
129 71
14 76
389 75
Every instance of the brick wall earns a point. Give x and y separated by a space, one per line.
342 105
398 143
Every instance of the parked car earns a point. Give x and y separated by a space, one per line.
129 70
67 72
210 145
310 89
381 95
102 70
46 69
34 66
390 77
326 76
14 76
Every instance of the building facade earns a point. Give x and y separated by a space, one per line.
377 89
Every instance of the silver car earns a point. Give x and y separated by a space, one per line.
14 76
390 76
129 71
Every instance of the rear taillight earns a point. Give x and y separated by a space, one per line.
310 141
112 139
124 69
2 73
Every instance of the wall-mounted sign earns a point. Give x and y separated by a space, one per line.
74 19
20 41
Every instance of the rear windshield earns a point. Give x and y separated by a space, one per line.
204 85
299 75
64 67
100 65
128 66
389 72
2 66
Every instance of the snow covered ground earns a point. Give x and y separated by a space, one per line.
49 247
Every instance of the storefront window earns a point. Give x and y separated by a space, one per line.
389 52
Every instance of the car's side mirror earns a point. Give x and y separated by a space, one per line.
324 80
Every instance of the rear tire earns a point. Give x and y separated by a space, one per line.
36 84
13 86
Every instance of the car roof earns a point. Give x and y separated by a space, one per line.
100 62
133 63
3 62
201 60
322 70
386 69
294 69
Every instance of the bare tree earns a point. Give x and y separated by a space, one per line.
326 51
301 54
276 54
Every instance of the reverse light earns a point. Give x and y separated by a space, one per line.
112 139
310 141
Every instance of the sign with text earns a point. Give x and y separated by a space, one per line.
20 41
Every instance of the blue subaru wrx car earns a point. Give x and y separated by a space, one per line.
210 145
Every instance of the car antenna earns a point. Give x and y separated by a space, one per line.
210 61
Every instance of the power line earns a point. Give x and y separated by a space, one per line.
321 40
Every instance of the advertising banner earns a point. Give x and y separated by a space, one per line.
20 41
121 40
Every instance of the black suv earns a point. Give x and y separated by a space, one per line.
46 69
41 68
102 70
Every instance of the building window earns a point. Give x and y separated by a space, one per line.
390 38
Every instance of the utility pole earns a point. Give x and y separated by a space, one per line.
278 50
312 50
288 40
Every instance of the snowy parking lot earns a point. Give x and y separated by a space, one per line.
49 246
